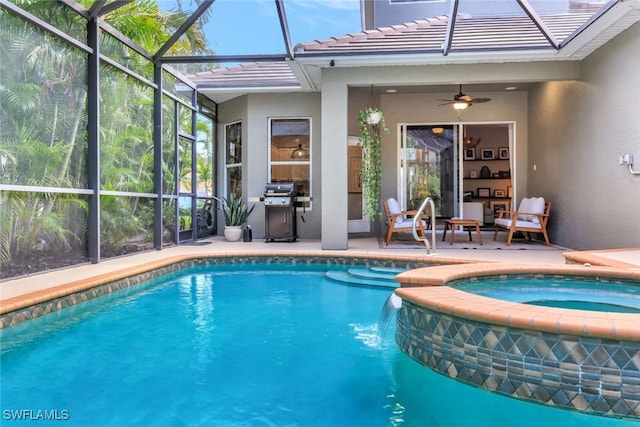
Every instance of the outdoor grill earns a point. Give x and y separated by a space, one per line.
280 211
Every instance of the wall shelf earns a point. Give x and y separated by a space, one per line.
490 198
478 179
486 160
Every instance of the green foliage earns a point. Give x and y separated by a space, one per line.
235 210
371 172
43 128
425 182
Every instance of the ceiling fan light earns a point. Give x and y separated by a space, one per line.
460 105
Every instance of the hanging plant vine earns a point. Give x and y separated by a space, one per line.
371 172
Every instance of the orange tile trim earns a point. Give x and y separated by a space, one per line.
427 287
9 305
591 257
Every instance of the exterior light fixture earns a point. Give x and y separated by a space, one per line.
437 130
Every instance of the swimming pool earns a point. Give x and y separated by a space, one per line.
239 345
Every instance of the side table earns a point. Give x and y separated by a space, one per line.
452 223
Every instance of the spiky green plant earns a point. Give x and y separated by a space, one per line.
235 209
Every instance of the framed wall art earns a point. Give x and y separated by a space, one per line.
484 192
496 207
503 153
469 154
487 154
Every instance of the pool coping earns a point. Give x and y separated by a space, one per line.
69 291
601 258
34 304
427 287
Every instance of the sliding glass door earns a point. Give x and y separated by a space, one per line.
456 163
429 167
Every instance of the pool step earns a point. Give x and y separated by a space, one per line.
371 273
389 270
379 277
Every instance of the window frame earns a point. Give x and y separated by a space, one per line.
229 167
308 205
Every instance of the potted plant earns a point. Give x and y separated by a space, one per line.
236 212
371 123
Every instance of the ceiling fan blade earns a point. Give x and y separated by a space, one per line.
464 97
480 100
446 103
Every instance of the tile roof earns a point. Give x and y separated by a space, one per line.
253 75
470 34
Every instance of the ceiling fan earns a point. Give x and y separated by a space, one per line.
461 101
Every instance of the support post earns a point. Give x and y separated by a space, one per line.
93 139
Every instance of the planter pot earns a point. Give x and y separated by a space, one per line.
233 233
374 118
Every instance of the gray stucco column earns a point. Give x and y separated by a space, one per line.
334 162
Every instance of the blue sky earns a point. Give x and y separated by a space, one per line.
252 26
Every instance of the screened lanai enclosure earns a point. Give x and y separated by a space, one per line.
105 149
110 111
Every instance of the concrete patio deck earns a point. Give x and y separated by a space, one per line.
622 258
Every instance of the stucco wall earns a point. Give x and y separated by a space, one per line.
577 132
255 112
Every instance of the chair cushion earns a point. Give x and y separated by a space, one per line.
394 209
519 224
408 223
531 205
474 210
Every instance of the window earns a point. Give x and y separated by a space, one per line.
290 154
233 157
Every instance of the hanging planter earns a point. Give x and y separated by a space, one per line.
371 123
374 116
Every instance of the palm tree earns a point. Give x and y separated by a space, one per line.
43 141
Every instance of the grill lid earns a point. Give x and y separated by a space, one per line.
279 189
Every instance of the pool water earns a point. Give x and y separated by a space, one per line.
239 346
573 294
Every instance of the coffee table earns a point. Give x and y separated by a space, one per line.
452 223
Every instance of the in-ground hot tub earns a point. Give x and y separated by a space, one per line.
569 358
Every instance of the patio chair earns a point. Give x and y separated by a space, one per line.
399 221
531 217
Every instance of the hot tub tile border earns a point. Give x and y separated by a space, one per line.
552 356
521 363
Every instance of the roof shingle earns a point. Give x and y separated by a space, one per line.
470 33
